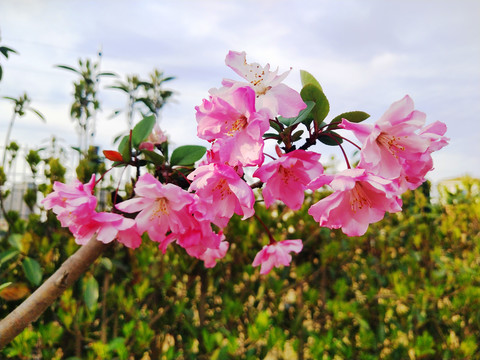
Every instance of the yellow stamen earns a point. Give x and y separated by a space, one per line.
287 174
237 125
161 208
390 142
358 198
222 187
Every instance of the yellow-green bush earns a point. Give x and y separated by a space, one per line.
408 289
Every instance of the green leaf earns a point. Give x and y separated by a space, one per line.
154 157
107 74
147 102
329 140
142 130
424 344
39 114
4 285
187 155
302 115
15 240
311 92
91 293
8 255
164 149
65 67
107 263
32 270
119 87
124 149
118 137
271 135
5 50
1 73
308 79
352 116
297 135
275 126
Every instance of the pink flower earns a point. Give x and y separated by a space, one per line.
219 193
75 208
392 140
271 94
198 240
287 177
359 199
72 203
210 256
434 132
234 126
276 255
163 208
147 146
156 137
128 234
416 169
108 227
210 157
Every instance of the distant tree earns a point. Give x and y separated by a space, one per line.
132 87
21 107
4 50
156 97
85 102
149 92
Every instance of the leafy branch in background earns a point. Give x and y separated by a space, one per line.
5 52
156 96
131 87
21 107
149 92
85 102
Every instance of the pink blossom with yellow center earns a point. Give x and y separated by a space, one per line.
219 193
287 177
162 208
358 199
394 139
233 125
270 93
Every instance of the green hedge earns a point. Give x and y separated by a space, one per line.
408 289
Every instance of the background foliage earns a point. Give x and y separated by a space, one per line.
409 288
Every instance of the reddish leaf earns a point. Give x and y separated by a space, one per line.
15 292
113 155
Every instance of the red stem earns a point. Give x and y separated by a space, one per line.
270 236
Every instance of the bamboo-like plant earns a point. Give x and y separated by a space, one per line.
20 109
86 103
5 51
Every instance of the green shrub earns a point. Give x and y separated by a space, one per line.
408 289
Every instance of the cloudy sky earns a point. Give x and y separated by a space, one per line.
366 54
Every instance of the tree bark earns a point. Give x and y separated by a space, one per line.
31 309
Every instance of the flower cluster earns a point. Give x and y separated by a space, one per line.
395 155
75 207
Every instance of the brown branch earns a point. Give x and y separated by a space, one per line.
31 309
